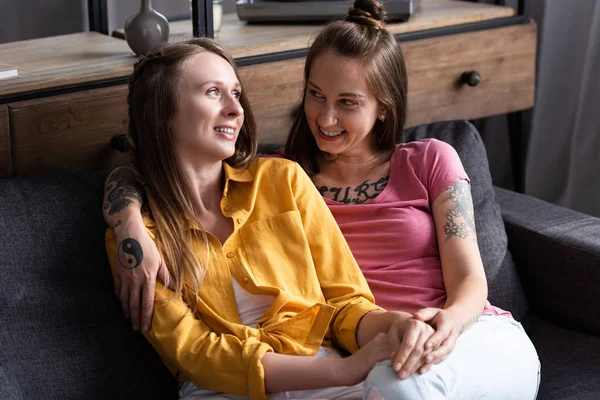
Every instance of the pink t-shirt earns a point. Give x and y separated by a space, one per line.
393 236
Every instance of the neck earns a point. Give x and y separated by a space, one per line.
343 167
146 5
205 187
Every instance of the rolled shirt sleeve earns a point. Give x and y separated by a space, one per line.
192 351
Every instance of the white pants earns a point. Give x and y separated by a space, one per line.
493 360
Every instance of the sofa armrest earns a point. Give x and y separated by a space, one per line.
557 253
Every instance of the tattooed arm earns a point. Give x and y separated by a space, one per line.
464 277
138 261
122 197
462 268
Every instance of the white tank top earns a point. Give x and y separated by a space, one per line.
251 307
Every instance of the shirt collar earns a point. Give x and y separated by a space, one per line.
236 174
231 173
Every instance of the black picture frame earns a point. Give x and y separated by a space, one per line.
202 18
518 5
201 15
98 16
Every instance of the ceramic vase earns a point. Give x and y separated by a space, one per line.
146 30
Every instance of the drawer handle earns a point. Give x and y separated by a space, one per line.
119 142
471 78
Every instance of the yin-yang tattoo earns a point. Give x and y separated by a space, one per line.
130 254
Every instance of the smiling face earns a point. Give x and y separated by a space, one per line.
209 115
340 109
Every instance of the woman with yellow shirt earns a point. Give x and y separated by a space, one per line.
263 279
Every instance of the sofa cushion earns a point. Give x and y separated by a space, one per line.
505 290
570 361
62 331
557 252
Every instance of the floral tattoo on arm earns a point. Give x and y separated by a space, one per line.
460 219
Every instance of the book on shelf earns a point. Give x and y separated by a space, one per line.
8 70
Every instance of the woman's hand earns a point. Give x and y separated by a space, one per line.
135 274
406 341
358 365
285 372
439 346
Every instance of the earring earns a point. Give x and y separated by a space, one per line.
382 117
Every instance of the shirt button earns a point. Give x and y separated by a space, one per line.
245 279
231 254
228 208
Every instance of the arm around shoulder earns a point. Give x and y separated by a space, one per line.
193 351
133 284
123 196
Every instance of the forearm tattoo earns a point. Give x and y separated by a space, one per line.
130 254
364 192
122 190
461 208
468 323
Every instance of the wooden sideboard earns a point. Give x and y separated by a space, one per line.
70 97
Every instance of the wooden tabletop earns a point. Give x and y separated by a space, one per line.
64 60
85 57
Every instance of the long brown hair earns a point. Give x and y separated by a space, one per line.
153 100
361 35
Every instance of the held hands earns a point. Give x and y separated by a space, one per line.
417 343
137 266
358 365
406 343
439 346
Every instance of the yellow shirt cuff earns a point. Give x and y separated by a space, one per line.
253 352
346 323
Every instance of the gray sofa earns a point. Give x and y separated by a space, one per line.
63 335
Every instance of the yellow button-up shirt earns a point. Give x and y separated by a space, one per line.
285 243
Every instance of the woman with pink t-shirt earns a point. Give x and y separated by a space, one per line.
407 214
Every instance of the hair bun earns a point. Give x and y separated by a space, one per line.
369 13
